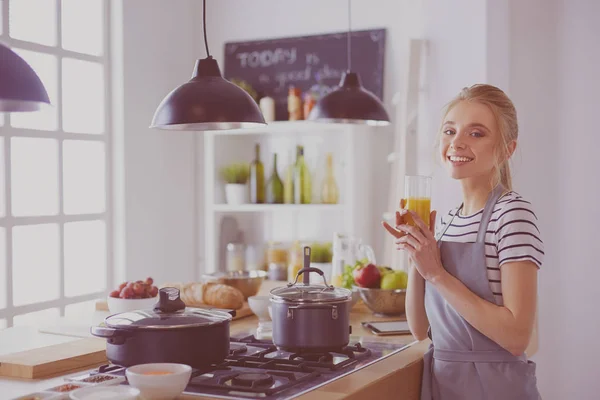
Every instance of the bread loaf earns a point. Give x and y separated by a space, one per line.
212 294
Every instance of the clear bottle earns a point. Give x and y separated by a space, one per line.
329 189
302 179
288 184
274 185
257 178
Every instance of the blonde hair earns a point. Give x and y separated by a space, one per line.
506 118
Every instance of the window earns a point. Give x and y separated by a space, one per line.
55 209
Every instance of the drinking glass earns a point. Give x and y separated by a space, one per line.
417 191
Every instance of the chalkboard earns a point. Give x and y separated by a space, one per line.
313 63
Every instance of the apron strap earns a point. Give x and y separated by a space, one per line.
487 212
445 227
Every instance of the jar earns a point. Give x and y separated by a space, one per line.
267 107
277 253
236 256
296 262
294 104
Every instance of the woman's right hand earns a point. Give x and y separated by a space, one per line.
400 220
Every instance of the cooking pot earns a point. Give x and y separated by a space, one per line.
310 318
168 333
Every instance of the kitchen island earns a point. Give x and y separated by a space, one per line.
397 376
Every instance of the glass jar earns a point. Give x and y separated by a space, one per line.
296 261
276 256
236 256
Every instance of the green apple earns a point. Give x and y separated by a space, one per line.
394 280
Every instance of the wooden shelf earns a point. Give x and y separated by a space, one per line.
276 207
284 127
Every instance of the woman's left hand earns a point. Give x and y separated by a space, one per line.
421 246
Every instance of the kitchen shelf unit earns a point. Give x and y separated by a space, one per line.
261 222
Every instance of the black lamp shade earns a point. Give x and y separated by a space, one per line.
20 87
207 102
350 103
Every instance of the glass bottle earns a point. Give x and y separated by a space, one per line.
294 104
329 190
275 185
288 184
257 178
302 184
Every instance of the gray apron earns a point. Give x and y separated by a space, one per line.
462 363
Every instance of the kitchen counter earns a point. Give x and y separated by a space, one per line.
396 377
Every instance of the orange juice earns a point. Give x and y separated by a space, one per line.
421 206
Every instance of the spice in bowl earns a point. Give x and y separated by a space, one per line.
67 387
98 378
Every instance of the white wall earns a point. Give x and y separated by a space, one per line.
155 205
578 196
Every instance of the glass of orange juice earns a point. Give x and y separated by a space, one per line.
417 191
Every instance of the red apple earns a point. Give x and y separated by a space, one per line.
367 276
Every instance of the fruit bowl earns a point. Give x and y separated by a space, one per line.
383 302
117 305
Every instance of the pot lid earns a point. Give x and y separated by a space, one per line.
302 293
168 313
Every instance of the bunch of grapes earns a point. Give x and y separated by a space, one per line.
136 290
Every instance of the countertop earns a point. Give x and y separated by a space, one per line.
395 377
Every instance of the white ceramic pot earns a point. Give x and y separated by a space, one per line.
316 278
236 193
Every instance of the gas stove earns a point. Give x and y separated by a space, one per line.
257 369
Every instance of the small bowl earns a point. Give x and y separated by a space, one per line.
118 305
120 392
247 282
384 302
355 297
167 386
260 306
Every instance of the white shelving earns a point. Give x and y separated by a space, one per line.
263 222
277 207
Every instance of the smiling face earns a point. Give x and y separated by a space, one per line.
469 138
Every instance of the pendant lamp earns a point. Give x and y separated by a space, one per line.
207 101
350 103
20 87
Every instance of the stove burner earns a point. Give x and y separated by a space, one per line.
315 357
237 348
253 380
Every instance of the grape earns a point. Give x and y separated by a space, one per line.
149 280
122 285
153 291
138 289
130 285
126 293
115 293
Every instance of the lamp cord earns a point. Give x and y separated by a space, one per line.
204 23
349 51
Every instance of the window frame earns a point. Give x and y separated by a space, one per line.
7 132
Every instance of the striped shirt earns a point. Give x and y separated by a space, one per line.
512 235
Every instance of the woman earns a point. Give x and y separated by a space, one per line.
473 286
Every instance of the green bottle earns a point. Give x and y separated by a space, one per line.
275 185
302 184
257 178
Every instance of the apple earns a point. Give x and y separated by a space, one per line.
394 280
367 276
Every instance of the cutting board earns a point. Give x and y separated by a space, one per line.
55 359
245 311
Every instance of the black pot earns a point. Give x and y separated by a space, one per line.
310 318
168 333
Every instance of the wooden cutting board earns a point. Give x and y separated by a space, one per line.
55 359
245 311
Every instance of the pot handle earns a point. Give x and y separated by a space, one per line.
308 269
112 336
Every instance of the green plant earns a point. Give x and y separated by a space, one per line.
321 252
235 173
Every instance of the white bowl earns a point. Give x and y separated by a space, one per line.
118 305
166 386
260 306
121 392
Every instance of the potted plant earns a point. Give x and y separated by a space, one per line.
320 257
235 177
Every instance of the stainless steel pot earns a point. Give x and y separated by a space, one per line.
310 318
168 333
